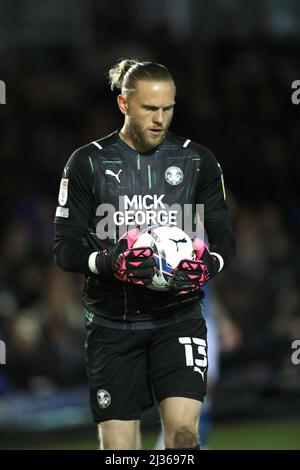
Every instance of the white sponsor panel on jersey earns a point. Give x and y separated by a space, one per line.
146 218
62 212
148 201
144 211
63 192
147 210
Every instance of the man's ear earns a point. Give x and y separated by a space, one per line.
122 103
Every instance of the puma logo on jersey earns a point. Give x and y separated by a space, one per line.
109 172
182 240
201 372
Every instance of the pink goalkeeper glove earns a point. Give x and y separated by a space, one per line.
191 275
132 265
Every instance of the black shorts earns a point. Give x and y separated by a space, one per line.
127 369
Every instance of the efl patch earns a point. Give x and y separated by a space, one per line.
63 191
103 398
173 175
62 212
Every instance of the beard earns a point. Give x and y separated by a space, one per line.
141 140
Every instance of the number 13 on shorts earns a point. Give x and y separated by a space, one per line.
189 354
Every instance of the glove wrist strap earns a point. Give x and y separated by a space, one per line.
218 259
92 263
102 263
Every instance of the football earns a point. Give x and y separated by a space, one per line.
170 245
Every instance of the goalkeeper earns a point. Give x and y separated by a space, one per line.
140 342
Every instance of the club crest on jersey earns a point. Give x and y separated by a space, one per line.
173 175
103 398
63 191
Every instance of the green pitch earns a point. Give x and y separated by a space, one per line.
257 435
265 435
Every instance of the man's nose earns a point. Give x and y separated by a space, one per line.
158 117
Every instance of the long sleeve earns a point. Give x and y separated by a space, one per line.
217 220
73 214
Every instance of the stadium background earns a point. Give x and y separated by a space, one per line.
233 63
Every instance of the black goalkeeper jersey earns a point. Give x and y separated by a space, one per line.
105 184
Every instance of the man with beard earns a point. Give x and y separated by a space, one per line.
142 343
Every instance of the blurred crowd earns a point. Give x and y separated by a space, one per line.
233 97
